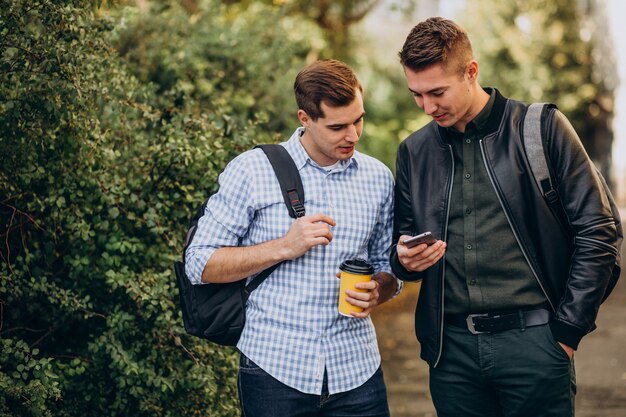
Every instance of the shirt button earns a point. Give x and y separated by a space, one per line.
468 247
472 282
468 210
468 175
468 141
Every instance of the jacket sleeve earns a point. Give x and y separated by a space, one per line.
403 214
588 211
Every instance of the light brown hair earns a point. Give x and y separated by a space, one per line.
330 81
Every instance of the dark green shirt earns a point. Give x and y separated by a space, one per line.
485 267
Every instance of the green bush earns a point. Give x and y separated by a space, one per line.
105 154
236 66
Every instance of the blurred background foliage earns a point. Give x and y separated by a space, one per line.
558 51
115 120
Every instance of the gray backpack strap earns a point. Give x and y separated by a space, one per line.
533 144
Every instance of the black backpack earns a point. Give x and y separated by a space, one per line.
533 139
216 312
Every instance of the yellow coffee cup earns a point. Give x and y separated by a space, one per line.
353 271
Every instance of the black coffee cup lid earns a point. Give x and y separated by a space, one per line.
357 266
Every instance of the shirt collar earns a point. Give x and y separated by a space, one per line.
301 157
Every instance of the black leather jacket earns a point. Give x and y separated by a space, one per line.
573 270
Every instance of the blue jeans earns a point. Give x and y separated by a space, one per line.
261 395
512 373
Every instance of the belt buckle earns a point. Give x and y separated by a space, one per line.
470 323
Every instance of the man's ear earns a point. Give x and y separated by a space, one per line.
303 118
472 70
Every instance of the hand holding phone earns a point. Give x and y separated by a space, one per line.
426 237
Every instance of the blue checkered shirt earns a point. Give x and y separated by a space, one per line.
293 330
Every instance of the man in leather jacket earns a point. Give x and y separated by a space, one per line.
500 315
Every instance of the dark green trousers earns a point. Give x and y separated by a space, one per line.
512 373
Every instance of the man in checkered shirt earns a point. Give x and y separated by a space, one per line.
299 356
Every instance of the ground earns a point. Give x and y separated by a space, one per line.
600 359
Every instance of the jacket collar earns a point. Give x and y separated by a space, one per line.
497 112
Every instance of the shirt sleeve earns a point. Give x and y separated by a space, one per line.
380 240
225 221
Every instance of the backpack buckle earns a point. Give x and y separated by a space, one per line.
552 196
296 205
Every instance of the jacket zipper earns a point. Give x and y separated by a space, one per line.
443 263
508 218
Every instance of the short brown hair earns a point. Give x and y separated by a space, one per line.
327 80
436 41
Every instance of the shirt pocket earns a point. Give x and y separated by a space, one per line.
270 219
355 224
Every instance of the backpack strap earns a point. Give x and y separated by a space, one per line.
533 144
288 177
293 193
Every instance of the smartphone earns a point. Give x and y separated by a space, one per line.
426 237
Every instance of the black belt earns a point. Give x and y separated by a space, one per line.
496 322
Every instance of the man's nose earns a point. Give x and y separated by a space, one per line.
429 106
353 134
